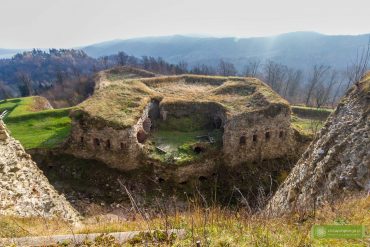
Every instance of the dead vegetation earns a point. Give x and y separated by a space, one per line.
211 225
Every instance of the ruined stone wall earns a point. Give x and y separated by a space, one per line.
212 112
250 137
256 137
118 148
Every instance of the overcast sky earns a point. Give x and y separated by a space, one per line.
71 23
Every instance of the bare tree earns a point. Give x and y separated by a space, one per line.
226 68
323 91
359 66
317 76
292 83
182 67
76 72
251 69
5 91
338 91
274 75
122 58
59 75
104 60
25 87
202 69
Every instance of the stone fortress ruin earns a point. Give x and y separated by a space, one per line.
188 120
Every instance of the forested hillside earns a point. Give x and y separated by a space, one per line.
299 50
64 76
304 68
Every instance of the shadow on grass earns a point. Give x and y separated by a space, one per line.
57 138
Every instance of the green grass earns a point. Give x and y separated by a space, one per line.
43 129
312 112
17 106
309 127
309 120
179 144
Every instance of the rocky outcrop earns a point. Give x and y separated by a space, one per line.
337 162
24 190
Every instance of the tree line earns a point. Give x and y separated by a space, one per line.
319 86
65 76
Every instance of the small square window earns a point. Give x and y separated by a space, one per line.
267 136
255 138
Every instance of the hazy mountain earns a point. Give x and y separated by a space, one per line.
7 53
299 49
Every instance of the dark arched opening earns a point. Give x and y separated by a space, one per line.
96 142
281 134
141 136
242 140
267 135
107 144
198 149
255 138
217 123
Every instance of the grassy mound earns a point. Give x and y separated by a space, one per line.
33 126
119 102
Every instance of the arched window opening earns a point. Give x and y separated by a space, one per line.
255 138
107 144
281 134
141 136
242 140
267 135
96 142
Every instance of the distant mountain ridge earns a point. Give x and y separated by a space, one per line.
298 49
7 53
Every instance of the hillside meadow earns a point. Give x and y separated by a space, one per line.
33 125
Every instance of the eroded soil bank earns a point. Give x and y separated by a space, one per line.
95 189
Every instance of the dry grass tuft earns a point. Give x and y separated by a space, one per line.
217 226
